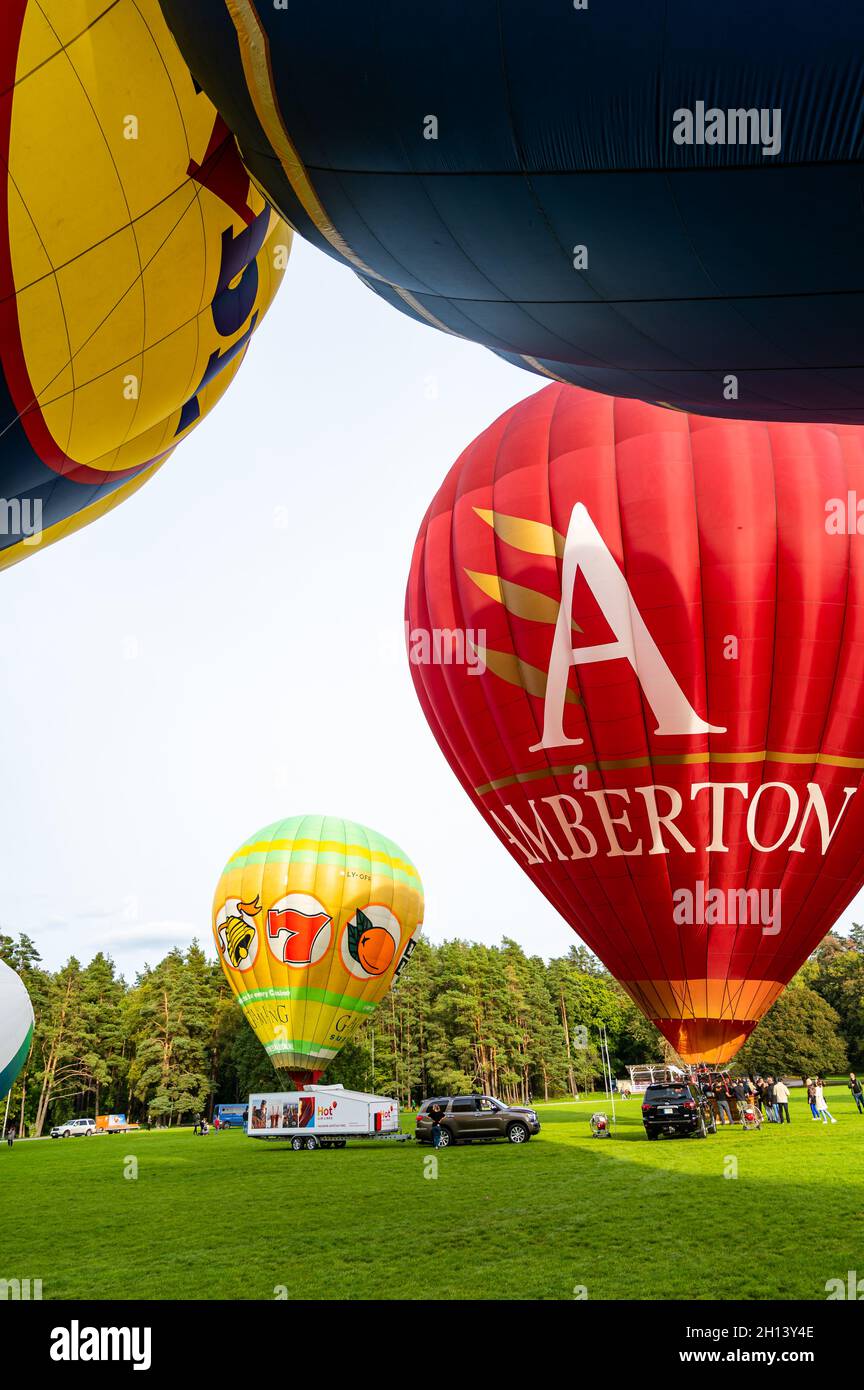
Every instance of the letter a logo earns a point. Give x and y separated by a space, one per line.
585 550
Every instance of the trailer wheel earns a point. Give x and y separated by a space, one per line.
296 1144
311 1143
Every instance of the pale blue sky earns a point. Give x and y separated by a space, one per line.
227 647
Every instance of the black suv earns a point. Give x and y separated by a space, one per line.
465 1118
672 1107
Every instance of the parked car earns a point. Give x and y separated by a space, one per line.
465 1118
677 1108
73 1128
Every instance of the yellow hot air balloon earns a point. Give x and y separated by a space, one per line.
314 918
136 259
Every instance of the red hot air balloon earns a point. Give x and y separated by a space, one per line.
638 637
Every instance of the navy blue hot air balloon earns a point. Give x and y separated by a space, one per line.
659 200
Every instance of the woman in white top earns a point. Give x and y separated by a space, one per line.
821 1107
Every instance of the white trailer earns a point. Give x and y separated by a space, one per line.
322 1117
643 1076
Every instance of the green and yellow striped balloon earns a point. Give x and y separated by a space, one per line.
314 918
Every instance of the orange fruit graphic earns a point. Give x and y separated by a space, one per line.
375 950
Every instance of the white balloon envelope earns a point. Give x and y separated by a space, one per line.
16 1026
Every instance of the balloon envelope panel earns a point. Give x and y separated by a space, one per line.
642 199
136 259
313 917
16 1026
655 699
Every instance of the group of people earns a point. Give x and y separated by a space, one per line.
769 1097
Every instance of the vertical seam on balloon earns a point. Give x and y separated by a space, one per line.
808 893
544 873
130 227
534 363
633 948
574 887
754 954
375 981
459 613
312 1017
684 998
685 229
365 986
459 606
133 229
599 403
525 175
297 1004
197 192
277 832
547 885
666 178
770 964
698 534
236 983
363 832
539 207
612 405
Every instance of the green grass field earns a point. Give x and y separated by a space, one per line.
229 1217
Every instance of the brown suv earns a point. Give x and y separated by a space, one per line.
464 1118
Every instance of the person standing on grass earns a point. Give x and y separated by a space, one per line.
756 1094
811 1097
11 1131
781 1097
739 1091
821 1107
435 1113
857 1093
722 1099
